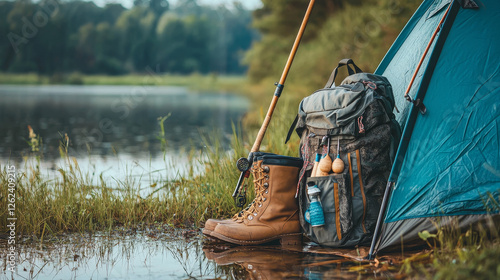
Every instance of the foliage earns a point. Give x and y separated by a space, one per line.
53 36
459 254
337 29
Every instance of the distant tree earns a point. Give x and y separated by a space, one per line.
79 13
171 42
85 49
21 33
188 7
6 49
111 12
157 6
134 27
278 22
84 37
236 37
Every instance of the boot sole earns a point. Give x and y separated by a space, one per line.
207 232
285 239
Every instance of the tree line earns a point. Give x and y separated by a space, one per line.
52 36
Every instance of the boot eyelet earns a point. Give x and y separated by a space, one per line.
266 191
260 205
250 218
266 176
255 214
266 169
266 185
264 199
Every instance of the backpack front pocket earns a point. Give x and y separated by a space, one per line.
336 201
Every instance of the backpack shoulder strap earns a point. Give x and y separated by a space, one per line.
290 130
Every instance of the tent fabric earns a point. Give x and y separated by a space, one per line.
411 227
452 163
402 58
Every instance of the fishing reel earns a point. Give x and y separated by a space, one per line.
243 164
240 195
241 199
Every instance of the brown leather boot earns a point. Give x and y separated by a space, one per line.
274 212
210 224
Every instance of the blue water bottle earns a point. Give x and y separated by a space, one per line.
314 215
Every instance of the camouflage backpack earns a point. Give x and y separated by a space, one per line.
352 121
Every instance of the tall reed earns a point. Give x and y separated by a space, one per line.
74 200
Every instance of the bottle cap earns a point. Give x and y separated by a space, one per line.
313 190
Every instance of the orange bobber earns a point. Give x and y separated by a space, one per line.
325 165
338 165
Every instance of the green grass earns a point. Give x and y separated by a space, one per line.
193 81
456 254
23 79
72 202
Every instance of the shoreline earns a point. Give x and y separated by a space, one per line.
213 82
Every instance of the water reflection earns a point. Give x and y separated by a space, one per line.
166 253
147 255
304 262
260 262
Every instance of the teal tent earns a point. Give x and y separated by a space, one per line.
447 169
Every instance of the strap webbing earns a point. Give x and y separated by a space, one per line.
337 209
358 162
290 130
346 62
350 173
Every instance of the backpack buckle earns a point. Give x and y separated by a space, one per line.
361 126
418 103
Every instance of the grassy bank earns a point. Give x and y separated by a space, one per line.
71 202
455 254
193 81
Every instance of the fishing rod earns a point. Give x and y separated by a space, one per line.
243 164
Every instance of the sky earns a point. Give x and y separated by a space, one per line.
249 4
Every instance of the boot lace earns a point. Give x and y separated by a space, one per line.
260 186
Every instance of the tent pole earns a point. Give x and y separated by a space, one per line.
445 26
426 51
381 215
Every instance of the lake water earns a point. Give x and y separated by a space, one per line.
113 130
177 254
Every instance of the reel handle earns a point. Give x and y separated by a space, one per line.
244 172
